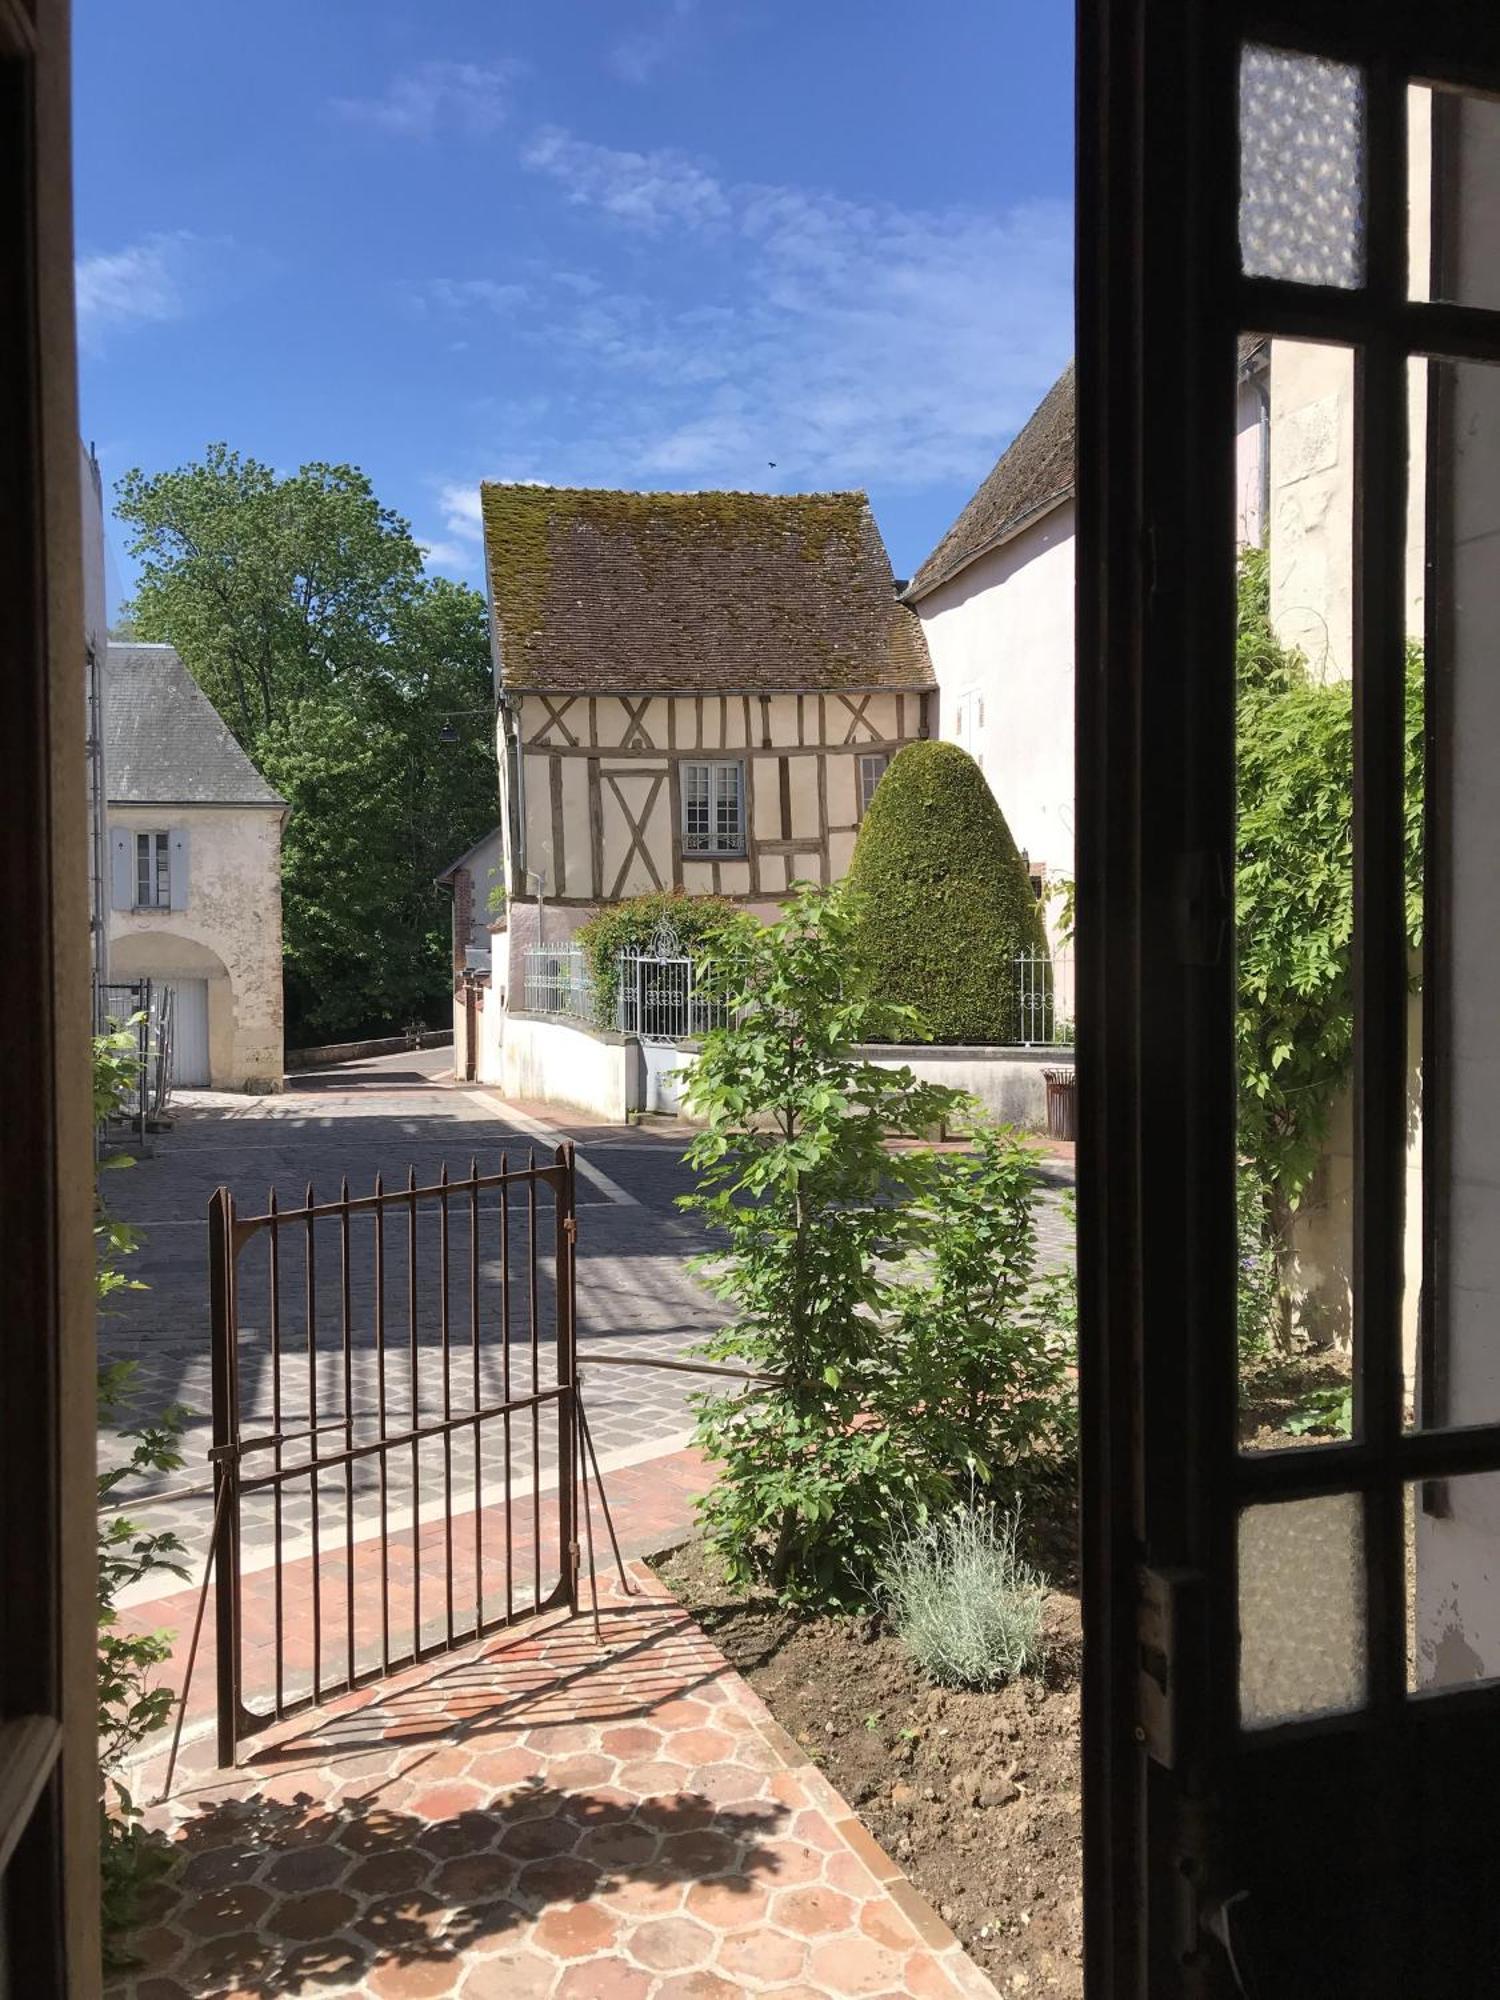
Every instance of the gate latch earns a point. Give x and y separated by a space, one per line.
1168 1624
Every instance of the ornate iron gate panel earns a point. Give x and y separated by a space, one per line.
395 1419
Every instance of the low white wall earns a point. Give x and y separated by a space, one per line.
558 1062
1008 1082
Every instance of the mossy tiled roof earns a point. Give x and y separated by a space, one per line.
694 592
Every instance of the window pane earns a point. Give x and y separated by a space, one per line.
1301 168
1454 193
1302 1609
1453 1608
1458 1352
1294 892
695 806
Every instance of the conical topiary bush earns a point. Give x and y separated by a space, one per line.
943 904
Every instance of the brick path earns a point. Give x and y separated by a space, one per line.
652 1507
538 1817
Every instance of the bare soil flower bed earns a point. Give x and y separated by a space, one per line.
976 1795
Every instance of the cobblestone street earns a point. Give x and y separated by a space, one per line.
634 1291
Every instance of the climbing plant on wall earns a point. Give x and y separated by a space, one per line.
1294 897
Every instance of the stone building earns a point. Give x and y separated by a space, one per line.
195 871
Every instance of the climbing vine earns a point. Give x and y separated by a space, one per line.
1294 897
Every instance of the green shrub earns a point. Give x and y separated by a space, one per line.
965 1606
943 903
888 1299
983 1349
633 925
817 1219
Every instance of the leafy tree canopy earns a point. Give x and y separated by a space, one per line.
300 605
944 903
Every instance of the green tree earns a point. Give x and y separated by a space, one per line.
300 606
943 903
817 1215
271 587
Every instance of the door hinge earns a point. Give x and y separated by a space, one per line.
570 1228
1168 1628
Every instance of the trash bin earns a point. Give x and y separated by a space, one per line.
1062 1103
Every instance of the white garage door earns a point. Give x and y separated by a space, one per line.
189 1032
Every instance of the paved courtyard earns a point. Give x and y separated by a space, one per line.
439 1288
635 1293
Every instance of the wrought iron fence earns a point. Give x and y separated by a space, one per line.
663 999
1044 999
556 980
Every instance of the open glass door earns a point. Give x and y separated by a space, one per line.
1289 962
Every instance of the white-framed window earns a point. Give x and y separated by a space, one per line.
713 808
871 770
148 869
153 871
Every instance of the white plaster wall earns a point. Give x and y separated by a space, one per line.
1007 1083
491 1064
229 933
553 1062
1002 631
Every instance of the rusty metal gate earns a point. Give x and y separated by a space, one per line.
396 1429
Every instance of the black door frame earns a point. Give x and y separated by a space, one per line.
1161 303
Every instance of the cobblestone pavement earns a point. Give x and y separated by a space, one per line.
545 1818
635 1293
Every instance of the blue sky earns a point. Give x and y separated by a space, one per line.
648 243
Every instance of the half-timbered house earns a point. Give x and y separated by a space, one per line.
696 691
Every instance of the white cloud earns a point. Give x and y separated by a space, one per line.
448 555
850 343
472 98
144 282
460 511
637 57
650 191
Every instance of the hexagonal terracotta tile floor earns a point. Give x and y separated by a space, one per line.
543 1818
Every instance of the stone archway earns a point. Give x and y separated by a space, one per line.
164 955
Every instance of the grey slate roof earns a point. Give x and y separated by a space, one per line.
164 741
1030 476
603 592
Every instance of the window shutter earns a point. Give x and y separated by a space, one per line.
178 864
121 869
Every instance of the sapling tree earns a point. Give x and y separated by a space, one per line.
818 1214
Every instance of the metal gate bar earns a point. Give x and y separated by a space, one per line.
237 1477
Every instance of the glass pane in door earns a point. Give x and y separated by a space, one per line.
1294 889
1301 168
1302 1609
